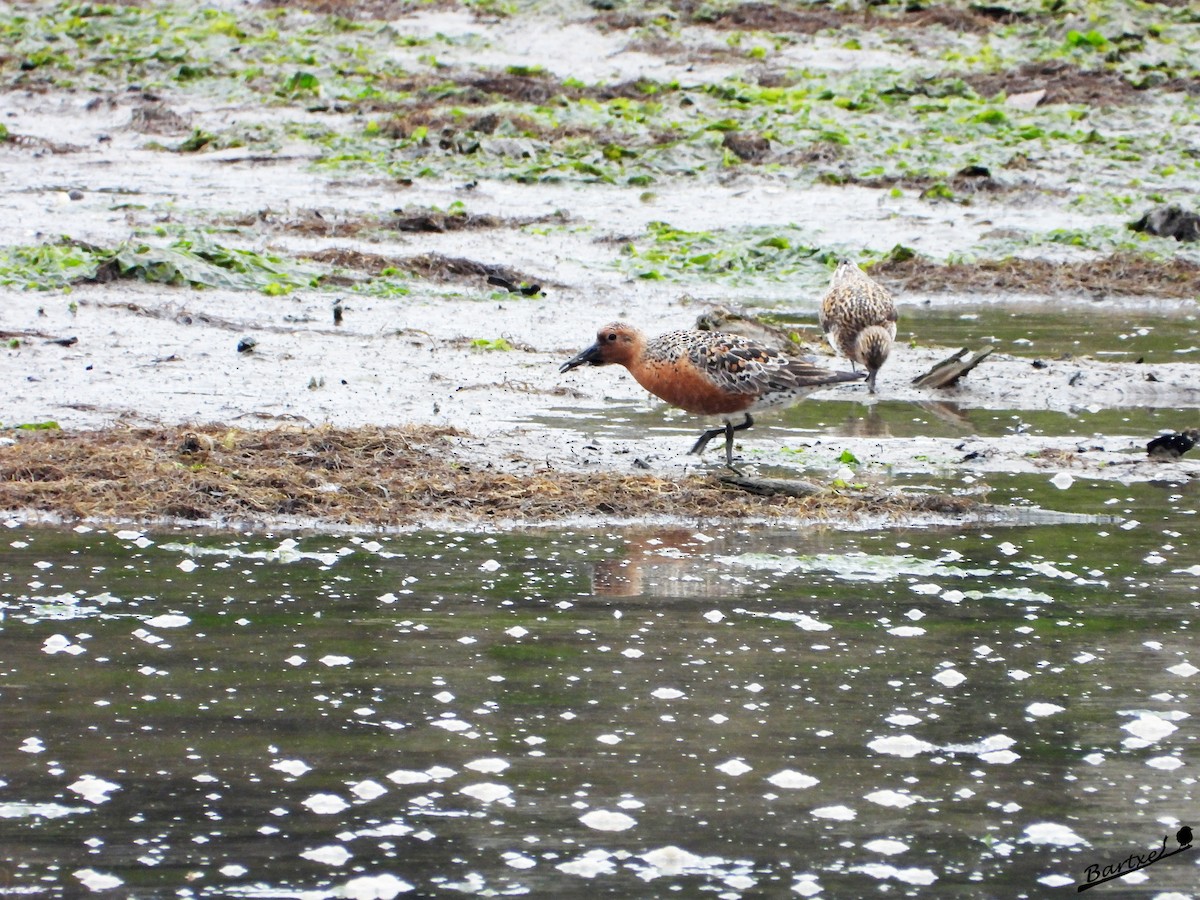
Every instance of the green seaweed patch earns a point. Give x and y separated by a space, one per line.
491 344
195 261
737 253
1106 239
35 426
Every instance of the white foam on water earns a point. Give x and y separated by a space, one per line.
97 881
93 789
368 789
325 804
1039 710
734 767
1149 727
373 887
293 767
790 779
902 745
839 813
883 871
891 798
1050 833
487 792
607 820
591 864
488 766
168 620
331 855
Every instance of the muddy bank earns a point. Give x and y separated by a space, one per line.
488 371
379 478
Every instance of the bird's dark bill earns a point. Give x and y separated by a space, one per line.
588 357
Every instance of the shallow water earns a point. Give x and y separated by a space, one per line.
936 712
1158 334
817 418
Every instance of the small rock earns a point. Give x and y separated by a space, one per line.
1025 99
747 147
246 345
1173 446
195 444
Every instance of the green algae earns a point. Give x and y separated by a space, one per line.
189 261
747 252
389 107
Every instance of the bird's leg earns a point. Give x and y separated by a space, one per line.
745 424
730 428
704 438
871 380
727 429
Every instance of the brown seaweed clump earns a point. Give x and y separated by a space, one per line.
364 477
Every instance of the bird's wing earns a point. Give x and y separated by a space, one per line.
744 367
824 312
736 364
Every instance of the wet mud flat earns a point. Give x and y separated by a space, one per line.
278 236
397 418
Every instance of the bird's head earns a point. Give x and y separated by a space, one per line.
616 342
846 271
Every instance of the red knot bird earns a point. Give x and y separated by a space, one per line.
859 318
709 373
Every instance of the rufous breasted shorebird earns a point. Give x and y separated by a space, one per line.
858 316
709 373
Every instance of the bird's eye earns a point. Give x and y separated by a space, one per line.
612 336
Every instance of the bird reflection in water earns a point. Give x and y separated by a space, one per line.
670 563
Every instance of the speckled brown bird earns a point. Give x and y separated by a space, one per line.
859 318
708 373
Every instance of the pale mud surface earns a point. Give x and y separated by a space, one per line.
152 354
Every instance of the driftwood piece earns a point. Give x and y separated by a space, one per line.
767 487
48 338
949 370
